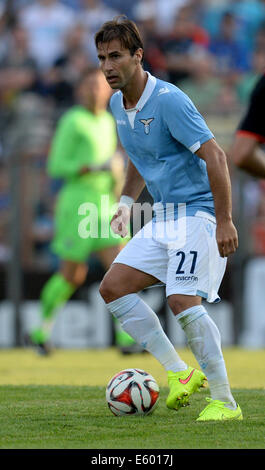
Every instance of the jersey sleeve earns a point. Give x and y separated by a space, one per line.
253 121
184 121
61 162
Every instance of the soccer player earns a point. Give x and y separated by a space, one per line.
81 153
246 150
173 152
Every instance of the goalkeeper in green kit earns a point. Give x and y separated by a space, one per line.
81 153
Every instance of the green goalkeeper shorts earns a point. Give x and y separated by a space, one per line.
82 223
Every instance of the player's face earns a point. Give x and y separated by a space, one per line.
117 64
94 92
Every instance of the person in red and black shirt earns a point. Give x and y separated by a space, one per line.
247 152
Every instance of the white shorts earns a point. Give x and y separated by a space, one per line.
182 254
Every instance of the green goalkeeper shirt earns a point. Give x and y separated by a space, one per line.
82 139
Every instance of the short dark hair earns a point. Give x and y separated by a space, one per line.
124 30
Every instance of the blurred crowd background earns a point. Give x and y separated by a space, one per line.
214 50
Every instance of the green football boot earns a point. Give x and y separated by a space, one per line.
218 410
182 385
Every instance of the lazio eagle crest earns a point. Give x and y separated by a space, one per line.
146 123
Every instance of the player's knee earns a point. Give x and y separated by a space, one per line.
174 304
107 289
178 303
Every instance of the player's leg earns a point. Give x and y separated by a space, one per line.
200 273
119 290
182 384
122 279
205 342
55 293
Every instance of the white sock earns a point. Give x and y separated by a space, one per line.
205 342
142 324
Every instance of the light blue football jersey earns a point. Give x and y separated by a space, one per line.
161 136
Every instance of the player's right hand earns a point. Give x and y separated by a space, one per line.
227 238
120 220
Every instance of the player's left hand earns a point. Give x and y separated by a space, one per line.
227 238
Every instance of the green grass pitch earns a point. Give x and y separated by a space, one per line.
58 402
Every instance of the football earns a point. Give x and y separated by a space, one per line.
132 392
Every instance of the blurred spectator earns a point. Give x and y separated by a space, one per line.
209 92
154 57
7 20
93 14
177 45
231 56
248 81
166 12
18 70
249 15
13 5
200 9
163 11
59 81
47 23
213 14
124 7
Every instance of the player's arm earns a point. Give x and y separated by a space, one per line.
134 183
247 155
218 173
132 188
